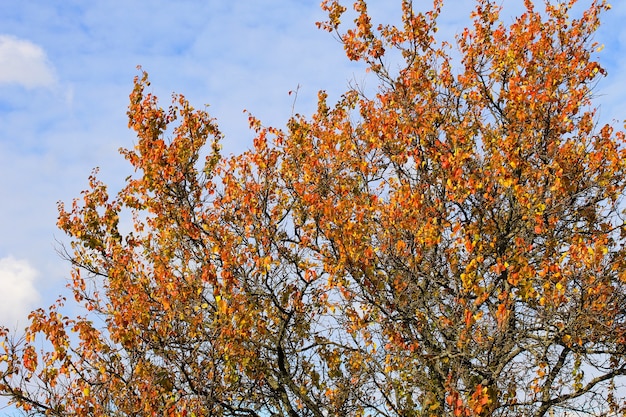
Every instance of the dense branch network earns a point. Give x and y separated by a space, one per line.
451 246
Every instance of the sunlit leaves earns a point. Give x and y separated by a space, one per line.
451 245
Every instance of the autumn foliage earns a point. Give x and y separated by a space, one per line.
451 245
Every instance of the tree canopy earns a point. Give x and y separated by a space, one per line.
450 245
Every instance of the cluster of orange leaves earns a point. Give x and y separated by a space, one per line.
384 243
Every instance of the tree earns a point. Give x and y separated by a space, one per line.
453 245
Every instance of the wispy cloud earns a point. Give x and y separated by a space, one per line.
25 63
19 294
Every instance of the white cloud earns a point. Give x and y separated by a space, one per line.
18 295
25 63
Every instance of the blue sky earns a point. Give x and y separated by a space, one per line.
66 69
